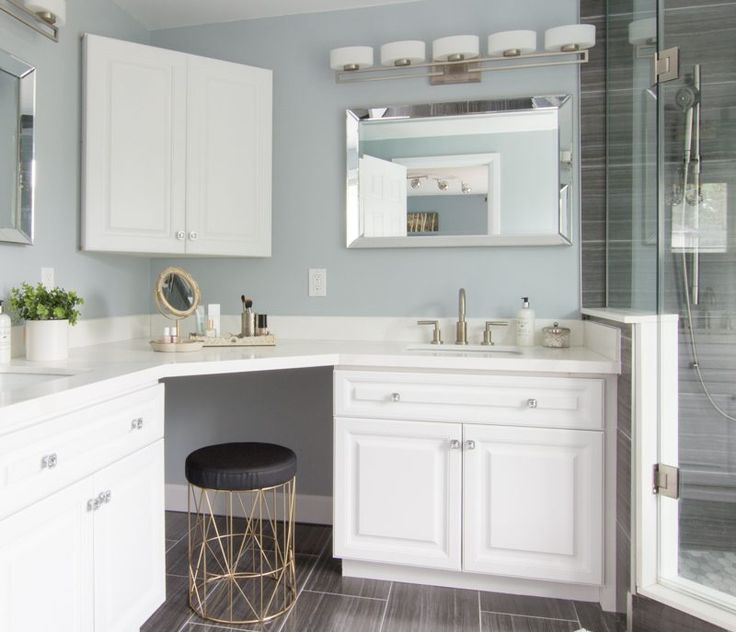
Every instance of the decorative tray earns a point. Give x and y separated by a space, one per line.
234 340
176 347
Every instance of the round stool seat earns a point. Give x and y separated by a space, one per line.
240 466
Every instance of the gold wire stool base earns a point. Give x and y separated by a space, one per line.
241 553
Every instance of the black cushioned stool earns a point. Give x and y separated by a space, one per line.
241 531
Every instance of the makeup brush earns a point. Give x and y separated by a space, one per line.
242 300
248 302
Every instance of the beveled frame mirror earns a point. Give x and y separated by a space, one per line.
518 154
17 149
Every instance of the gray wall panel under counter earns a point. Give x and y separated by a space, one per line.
291 408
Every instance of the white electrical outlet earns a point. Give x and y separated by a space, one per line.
47 278
317 282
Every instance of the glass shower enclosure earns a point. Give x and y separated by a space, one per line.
671 250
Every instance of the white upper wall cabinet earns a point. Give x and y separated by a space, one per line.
177 152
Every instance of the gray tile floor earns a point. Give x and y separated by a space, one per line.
327 602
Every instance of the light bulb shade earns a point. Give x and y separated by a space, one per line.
570 37
351 58
57 8
507 43
643 31
456 47
403 53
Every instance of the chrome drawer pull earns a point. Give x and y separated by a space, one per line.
137 424
455 444
49 462
470 444
531 403
395 397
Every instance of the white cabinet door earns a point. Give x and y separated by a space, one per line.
134 147
129 548
228 159
46 565
397 492
382 189
533 503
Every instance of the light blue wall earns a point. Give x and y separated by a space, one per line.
309 155
112 285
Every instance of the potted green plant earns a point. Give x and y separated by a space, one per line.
47 314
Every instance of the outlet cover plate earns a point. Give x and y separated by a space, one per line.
317 282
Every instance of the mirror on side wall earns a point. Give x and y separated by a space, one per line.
17 114
470 173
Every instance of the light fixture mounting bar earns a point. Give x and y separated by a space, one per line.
475 66
30 19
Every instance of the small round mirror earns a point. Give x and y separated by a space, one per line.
177 293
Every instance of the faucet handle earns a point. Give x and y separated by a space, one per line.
436 334
488 334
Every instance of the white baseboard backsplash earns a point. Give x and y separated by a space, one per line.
94 331
309 509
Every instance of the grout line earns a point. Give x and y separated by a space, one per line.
334 594
530 616
480 615
577 614
385 608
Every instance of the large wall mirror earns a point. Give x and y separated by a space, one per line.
471 173
17 112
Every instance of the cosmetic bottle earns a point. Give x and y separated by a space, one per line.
525 325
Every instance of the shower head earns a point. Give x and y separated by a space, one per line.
687 97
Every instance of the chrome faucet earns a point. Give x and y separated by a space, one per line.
461 337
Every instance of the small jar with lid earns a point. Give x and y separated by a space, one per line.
556 337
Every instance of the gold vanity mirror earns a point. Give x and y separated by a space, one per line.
177 297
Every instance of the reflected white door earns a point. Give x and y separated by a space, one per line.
382 198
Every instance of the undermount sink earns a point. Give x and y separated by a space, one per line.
490 349
11 379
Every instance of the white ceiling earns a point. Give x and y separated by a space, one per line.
163 14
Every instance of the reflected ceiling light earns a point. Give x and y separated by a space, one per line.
456 48
466 188
512 43
442 185
570 38
50 11
351 58
643 32
403 53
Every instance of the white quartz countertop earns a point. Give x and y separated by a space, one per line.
101 371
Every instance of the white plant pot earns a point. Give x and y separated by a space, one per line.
47 340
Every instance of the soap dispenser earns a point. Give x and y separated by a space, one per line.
5 350
525 325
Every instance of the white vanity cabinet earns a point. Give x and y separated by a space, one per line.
479 474
82 537
177 152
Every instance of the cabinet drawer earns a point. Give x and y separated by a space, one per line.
37 461
551 402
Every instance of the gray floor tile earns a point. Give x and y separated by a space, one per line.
501 603
176 525
592 618
174 612
413 608
319 612
327 577
491 622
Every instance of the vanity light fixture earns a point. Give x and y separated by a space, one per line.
443 185
43 16
466 188
457 58
415 183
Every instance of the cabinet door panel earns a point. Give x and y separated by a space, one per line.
229 159
46 565
533 503
134 147
129 547
398 492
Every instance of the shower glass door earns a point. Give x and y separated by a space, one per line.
696 190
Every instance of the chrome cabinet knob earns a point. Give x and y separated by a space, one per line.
49 461
105 497
395 397
93 504
470 444
137 423
180 235
193 235
531 403
455 444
